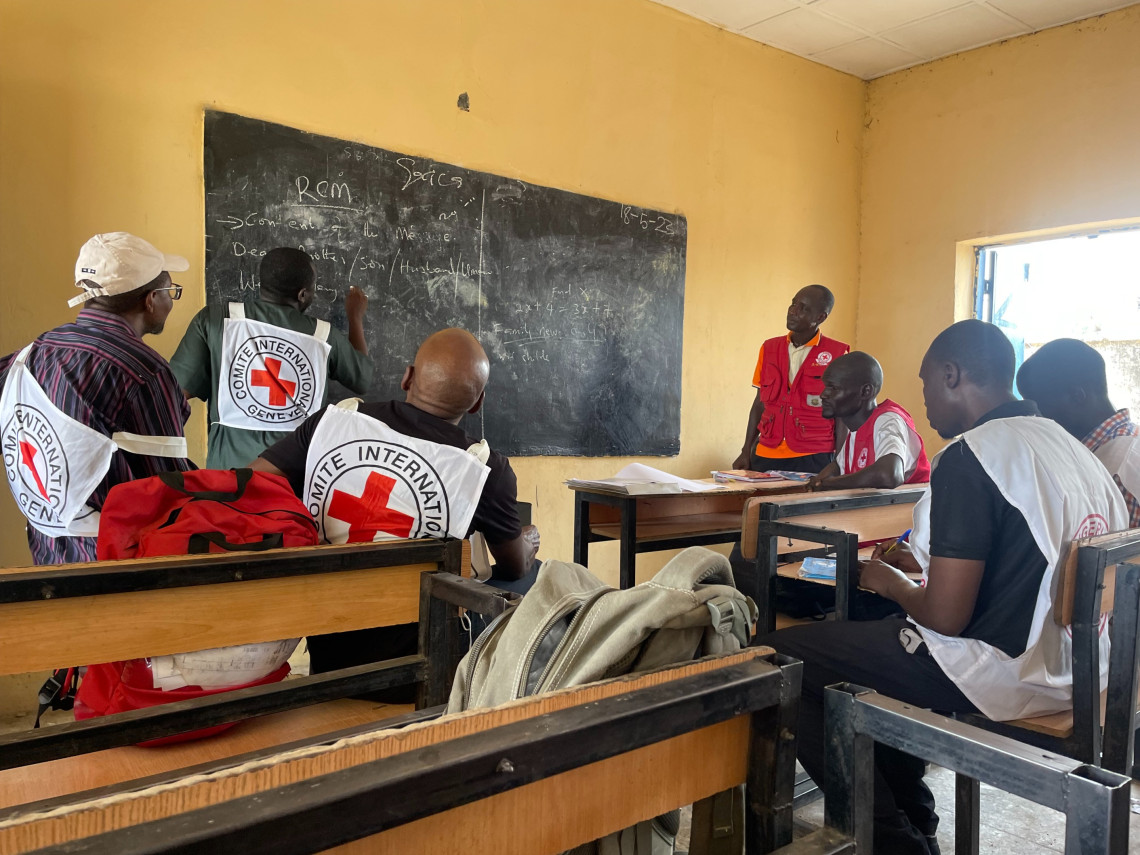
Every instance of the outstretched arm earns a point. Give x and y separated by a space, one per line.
355 304
513 558
945 604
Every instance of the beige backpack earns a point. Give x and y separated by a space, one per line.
572 629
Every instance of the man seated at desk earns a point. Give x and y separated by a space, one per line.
1067 381
882 448
1007 496
446 382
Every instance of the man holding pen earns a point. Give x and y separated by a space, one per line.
1007 496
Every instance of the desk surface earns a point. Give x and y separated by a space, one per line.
756 488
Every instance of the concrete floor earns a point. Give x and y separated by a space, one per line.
1010 825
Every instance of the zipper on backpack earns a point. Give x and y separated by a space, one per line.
476 648
583 609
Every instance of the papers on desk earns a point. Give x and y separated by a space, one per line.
637 479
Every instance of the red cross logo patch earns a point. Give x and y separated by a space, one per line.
272 381
368 514
35 466
370 489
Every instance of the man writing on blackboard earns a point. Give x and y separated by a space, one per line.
264 365
786 427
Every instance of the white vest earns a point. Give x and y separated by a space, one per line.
1121 457
272 378
1064 494
365 482
53 463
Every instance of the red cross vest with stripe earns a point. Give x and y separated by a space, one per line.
792 412
859 451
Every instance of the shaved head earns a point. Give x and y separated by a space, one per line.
856 369
850 384
449 375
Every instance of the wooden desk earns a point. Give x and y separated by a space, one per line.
654 521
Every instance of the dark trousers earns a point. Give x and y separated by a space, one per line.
868 653
812 463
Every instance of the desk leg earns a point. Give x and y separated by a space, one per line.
581 530
628 544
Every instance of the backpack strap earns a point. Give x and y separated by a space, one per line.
237 311
57 692
321 333
152 446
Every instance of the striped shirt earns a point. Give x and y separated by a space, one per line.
1117 425
99 372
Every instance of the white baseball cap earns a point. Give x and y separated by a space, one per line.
118 263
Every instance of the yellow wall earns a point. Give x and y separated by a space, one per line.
101 129
1036 133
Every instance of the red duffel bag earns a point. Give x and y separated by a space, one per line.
180 513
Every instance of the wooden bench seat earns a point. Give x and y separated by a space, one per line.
480 781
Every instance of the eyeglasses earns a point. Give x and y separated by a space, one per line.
175 291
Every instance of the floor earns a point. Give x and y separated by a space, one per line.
1010 825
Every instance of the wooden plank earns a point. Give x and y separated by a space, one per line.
527 821
45 634
695 524
672 505
70 775
868 524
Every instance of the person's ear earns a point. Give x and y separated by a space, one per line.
406 382
478 403
867 392
951 374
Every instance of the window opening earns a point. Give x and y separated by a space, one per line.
1085 287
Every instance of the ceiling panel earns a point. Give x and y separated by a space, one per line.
874 16
866 58
802 32
961 28
872 37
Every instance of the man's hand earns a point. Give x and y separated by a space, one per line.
531 541
742 461
900 556
882 578
815 482
355 303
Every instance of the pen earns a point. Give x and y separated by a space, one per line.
902 538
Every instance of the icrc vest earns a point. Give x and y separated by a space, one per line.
271 378
1064 494
366 482
53 463
859 449
792 411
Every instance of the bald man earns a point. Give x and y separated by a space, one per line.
882 449
445 383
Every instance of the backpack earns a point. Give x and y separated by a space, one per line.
179 513
571 629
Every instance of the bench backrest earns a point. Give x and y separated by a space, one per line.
872 515
113 610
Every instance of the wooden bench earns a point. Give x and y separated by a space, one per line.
115 610
534 776
1095 579
775 533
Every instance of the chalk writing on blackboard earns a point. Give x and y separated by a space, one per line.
578 300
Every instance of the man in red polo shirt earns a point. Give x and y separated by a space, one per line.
786 427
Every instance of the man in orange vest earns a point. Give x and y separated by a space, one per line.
786 427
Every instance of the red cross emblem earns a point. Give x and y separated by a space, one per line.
369 513
279 390
28 454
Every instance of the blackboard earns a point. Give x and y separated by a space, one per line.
578 301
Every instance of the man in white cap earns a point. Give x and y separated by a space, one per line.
88 405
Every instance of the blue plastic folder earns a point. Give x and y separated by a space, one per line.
818 568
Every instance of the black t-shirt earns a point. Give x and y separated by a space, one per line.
970 519
496 517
